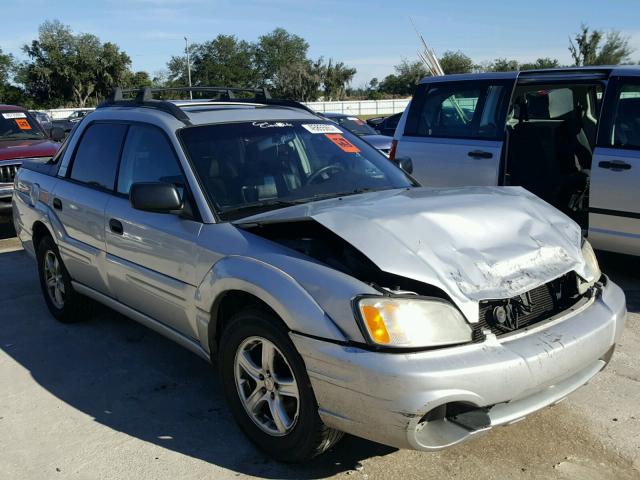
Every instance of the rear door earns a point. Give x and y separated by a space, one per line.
454 132
79 202
614 204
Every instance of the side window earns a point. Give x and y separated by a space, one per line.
461 111
147 157
96 158
626 120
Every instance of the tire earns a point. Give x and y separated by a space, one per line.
304 436
70 306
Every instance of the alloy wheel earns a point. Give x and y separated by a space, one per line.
267 386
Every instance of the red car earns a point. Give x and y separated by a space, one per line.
21 138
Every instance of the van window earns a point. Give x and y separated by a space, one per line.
626 123
460 111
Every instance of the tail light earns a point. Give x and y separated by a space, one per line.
392 152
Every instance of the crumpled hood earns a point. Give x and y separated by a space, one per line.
474 243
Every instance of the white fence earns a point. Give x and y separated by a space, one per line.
352 107
362 107
60 113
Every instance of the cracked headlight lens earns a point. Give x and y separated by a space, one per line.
413 323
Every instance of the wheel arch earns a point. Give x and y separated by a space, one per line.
238 282
38 232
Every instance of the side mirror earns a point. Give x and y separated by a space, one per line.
405 163
155 197
56 134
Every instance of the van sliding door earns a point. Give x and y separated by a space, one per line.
455 130
614 205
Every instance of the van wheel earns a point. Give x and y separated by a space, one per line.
64 303
268 391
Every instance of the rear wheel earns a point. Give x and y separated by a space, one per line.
64 303
268 390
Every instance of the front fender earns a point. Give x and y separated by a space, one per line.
288 299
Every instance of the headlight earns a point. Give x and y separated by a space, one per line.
412 323
593 269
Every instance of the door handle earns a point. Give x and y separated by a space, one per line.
480 154
116 226
57 204
615 165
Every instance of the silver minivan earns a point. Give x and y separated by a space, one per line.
570 136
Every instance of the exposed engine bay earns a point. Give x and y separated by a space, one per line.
318 242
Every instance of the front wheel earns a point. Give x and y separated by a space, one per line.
268 390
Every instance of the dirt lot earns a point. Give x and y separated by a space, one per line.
109 399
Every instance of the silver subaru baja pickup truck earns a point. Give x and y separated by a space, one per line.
334 294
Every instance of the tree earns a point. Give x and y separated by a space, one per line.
540 63
404 81
300 80
9 93
456 62
64 68
138 80
224 61
336 77
278 51
502 65
588 50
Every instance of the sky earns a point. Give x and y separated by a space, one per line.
370 35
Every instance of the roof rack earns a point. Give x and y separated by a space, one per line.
144 98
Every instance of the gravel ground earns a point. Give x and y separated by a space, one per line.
109 399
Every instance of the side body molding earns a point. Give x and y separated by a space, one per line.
288 299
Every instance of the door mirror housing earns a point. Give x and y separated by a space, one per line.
56 134
155 197
405 163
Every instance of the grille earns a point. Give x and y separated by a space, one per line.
534 306
8 173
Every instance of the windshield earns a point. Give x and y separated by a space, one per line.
249 167
19 125
355 125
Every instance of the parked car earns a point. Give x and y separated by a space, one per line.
386 125
364 131
43 119
21 138
68 123
571 136
335 293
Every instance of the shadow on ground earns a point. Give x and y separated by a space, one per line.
137 382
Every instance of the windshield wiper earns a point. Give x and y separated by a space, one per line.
259 206
355 191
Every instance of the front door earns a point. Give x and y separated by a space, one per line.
614 206
454 132
151 256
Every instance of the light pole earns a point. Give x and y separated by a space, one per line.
186 49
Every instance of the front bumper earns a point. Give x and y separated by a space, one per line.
406 400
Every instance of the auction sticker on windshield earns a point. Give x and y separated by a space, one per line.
344 144
10 115
23 124
321 128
